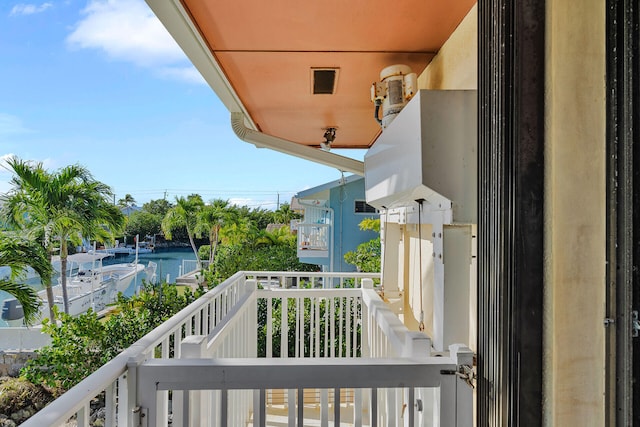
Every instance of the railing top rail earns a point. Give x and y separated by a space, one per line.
309 293
346 275
257 373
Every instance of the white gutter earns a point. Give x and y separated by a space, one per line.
263 140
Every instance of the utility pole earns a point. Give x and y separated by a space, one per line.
278 203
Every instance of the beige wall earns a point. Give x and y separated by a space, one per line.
575 213
456 64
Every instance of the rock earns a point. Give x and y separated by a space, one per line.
7 423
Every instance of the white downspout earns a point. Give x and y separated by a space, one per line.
333 234
262 140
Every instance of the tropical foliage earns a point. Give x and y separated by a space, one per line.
143 223
80 345
127 201
60 207
258 250
211 219
367 255
19 251
284 214
184 215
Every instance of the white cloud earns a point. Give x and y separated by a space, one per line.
11 125
127 30
29 9
3 161
188 74
48 164
253 203
5 174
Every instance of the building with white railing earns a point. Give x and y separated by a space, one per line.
329 228
315 357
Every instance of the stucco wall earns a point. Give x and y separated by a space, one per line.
347 233
575 214
456 64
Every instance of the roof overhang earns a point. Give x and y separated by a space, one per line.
259 57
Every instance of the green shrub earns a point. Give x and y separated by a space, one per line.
80 345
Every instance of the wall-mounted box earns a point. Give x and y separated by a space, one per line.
428 152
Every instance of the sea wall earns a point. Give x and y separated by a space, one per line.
12 361
16 339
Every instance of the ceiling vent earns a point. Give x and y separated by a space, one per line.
324 80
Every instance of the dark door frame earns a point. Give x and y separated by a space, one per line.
511 78
623 220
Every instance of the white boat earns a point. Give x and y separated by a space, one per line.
122 249
90 284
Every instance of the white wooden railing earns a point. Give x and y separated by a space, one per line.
313 237
349 357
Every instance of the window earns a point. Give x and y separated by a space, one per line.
363 207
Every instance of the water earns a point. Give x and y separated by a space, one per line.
169 264
169 261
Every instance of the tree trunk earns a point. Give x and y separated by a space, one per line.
193 247
63 274
47 285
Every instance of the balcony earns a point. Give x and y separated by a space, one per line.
313 240
319 357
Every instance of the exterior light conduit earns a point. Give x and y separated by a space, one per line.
262 140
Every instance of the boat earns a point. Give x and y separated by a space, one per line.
143 247
90 284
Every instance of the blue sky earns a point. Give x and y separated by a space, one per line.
101 83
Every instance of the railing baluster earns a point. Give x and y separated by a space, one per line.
300 407
269 345
284 328
312 326
224 403
123 400
357 407
391 406
291 406
374 407
336 406
110 405
259 403
348 322
324 407
298 327
318 327
198 324
340 325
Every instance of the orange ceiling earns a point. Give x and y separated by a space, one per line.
267 50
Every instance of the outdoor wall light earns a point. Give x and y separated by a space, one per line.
329 136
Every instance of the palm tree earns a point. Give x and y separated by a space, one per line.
62 207
184 214
128 201
239 231
284 214
281 236
19 252
211 219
